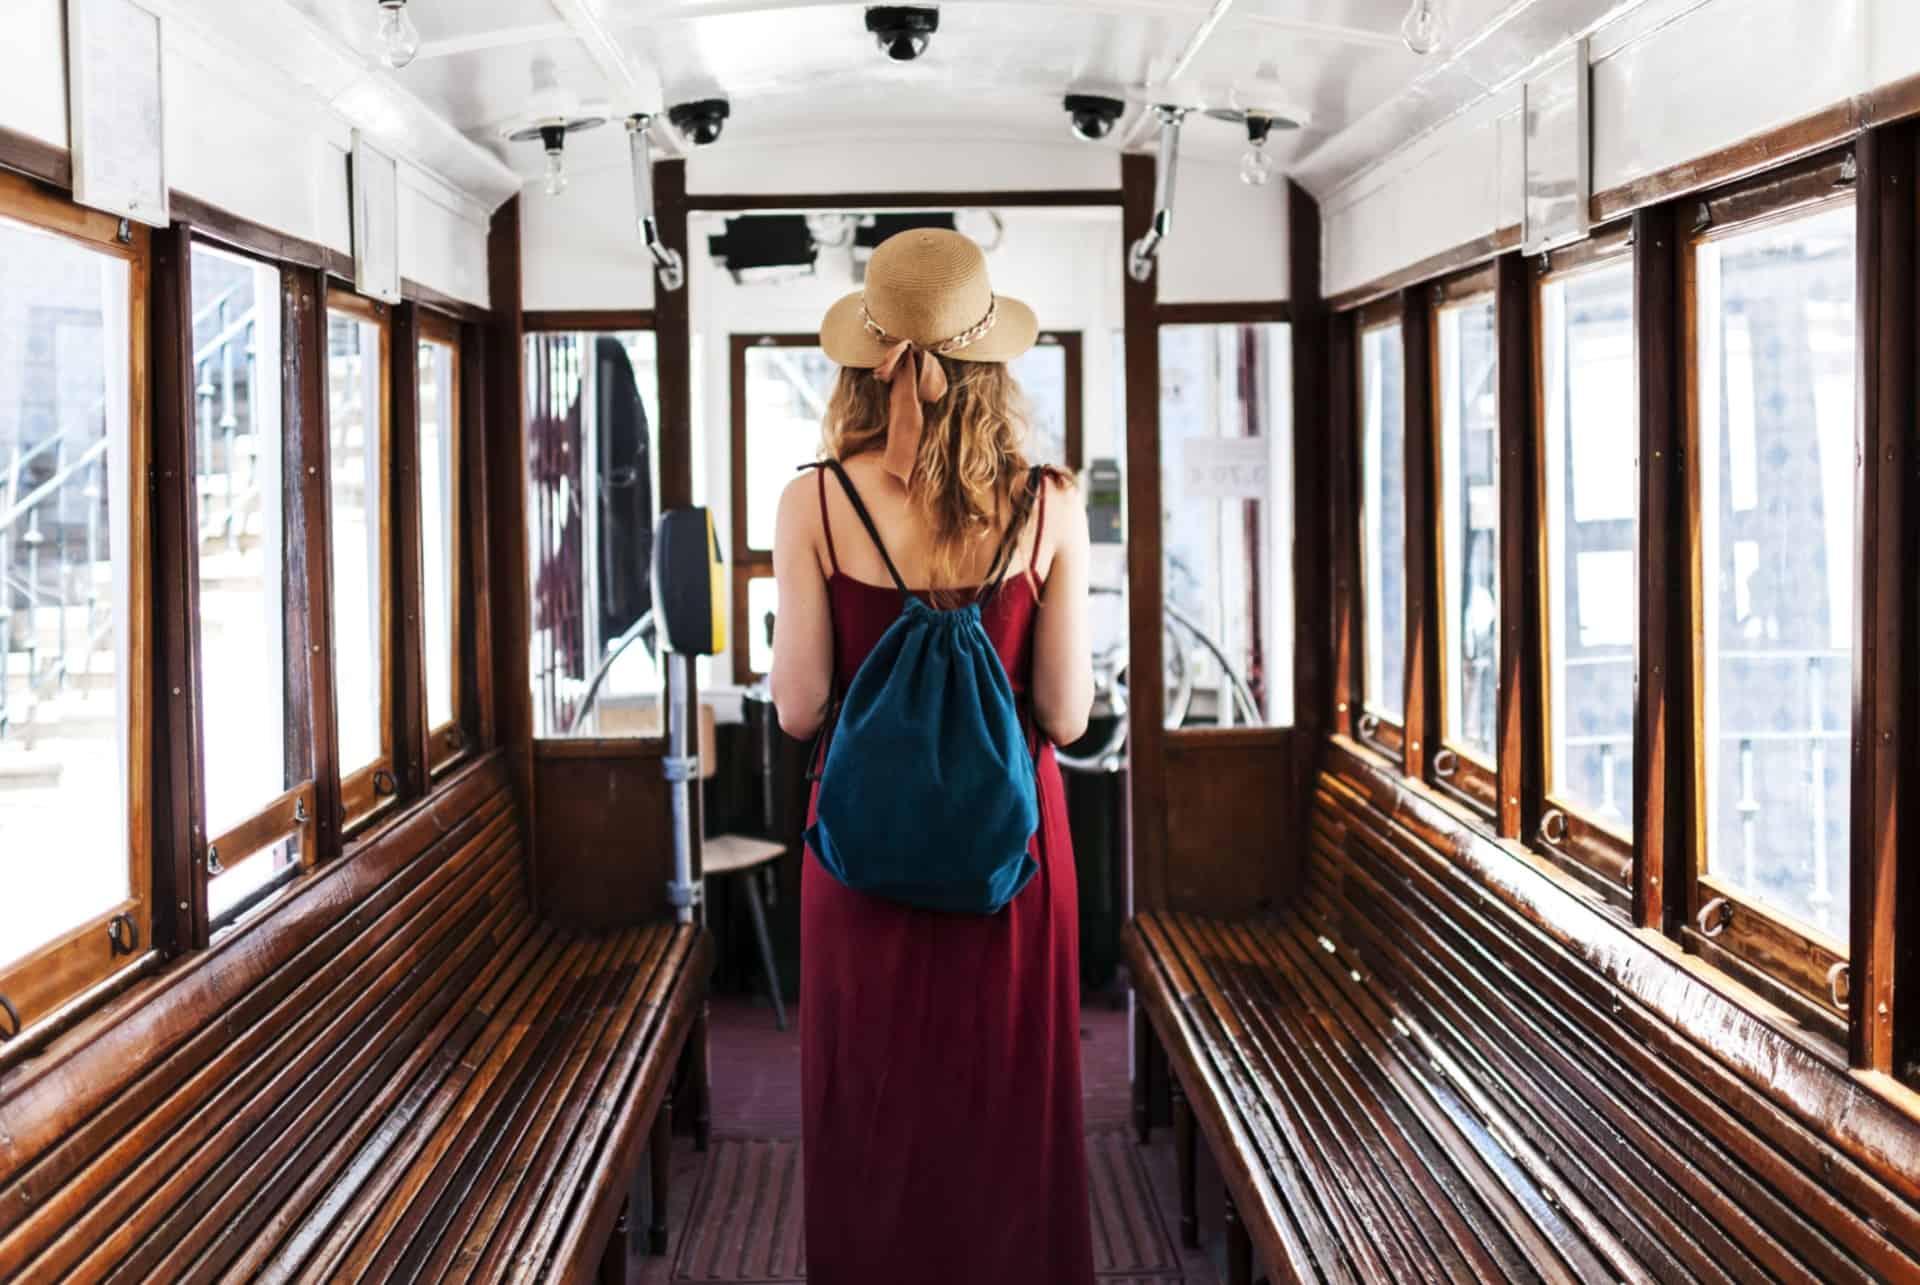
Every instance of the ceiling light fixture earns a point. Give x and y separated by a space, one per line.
397 39
1425 26
551 127
1256 166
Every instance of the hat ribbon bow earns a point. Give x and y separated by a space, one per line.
915 376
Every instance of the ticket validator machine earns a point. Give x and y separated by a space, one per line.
690 609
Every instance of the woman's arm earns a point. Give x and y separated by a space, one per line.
1062 654
803 630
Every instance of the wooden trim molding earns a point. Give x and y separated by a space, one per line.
1663 720
731 203
1883 797
1472 253
1147 777
1421 705
1518 723
1225 314
1316 529
589 319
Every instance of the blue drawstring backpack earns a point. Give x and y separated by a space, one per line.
928 794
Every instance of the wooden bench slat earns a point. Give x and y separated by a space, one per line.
1657 1169
1808 1214
1289 1071
396 1072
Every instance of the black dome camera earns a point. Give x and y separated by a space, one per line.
903 31
1093 116
700 121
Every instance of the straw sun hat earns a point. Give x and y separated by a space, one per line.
927 297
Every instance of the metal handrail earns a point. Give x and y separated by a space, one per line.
46 489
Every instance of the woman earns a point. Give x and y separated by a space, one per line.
940 1054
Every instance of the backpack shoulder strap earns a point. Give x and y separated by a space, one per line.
1010 542
866 520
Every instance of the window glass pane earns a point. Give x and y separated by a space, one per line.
592 408
763 602
1227 525
1041 372
356 435
63 591
242 532
1587 393
1383 556
786 395
1776 329
438 504
1469 523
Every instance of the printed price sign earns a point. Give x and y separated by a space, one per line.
1226 468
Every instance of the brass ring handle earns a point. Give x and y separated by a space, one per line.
1369 726
1834 975
1446 763
384 784
13 1016
1720 911
123 933
1553 826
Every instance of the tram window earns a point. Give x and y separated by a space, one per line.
779 386
1049 374
72 726
247 762
763 603
592 431
357 455
439 374
1227 524
1384 522
1776 332
1469 525
1588 403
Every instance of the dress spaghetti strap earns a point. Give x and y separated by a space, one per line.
826 523
866 520
1039 534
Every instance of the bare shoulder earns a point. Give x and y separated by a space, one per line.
799 516
1066 507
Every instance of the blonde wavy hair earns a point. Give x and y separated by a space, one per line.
972 463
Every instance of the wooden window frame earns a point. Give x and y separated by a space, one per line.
369 790
1599 855
57 973
1381 734
296 812
448 741
749 564
1786 962
1449 768
1072 344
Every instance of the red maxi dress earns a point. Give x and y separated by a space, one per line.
940 1053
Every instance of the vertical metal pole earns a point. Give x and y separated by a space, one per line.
682 769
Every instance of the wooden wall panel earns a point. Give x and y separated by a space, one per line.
603 832
1234 829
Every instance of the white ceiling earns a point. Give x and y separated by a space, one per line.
799 70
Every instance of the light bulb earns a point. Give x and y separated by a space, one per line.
1256 167
556 172
1424 27
398 39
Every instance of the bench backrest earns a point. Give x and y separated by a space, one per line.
1714 1144
198 1057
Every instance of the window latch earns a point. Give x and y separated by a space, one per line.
1714 917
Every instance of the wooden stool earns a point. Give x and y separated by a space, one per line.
748 859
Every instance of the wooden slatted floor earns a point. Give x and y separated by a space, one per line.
740 1203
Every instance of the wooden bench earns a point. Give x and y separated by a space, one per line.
1443 1066
399 1074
